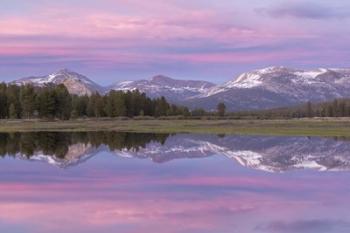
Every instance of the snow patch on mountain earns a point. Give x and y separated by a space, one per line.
173 89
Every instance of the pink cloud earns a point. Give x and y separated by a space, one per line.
195 201
135 36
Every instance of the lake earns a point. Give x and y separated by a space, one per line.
181 183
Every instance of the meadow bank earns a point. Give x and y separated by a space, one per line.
332 127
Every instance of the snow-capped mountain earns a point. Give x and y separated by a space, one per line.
277 87
174 90
271 154
259 89
76 154
76 83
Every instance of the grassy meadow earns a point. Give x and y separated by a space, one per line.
298 127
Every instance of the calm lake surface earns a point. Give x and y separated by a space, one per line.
141 183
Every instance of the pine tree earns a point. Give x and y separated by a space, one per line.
330 111
79 105
309 110
63 102
335 108
109 104
119 105
221 108
27 99
90 110
99 112
3 101
12 93
161 107
46 103
12 111
342 108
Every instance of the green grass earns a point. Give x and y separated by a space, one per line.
303 127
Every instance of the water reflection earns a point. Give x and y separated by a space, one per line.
136 183
68 148
273 154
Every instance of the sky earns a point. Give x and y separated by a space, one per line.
115 40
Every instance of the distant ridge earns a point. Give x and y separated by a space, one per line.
174 90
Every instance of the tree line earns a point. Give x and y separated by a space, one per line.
55 102
335 108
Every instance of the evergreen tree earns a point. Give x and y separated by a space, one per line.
3 101
27 99
63 102
335 108
99 105
342 109
115 104
79 105
309 111
90 110
109 107
221 108
330 111
120 108
161 107
12 93
46 103
198 112
12 111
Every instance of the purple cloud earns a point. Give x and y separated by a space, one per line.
307 226
308 10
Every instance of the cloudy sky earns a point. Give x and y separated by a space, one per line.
112 40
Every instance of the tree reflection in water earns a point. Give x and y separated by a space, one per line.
57 143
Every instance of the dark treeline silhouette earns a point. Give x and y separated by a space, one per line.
57 143
54 101
335 108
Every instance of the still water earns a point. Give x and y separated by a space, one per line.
138 183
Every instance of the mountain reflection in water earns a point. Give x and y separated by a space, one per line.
183 183
267 153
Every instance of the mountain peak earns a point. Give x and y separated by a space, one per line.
175 90
160 77
69 73
75 83
272 69
66 71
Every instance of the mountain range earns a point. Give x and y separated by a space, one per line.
266 88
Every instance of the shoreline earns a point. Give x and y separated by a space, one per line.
328 127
